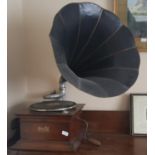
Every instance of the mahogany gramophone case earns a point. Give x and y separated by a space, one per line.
50 131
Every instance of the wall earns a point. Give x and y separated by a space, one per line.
16 84
42 71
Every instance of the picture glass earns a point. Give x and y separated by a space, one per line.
137 17
139 114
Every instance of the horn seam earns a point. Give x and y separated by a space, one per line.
116 53
110 68
113 34
105 41
123 85
91 35
78 36
62 19
120 51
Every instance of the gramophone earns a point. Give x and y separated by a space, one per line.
94 52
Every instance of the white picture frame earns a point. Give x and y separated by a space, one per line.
138 111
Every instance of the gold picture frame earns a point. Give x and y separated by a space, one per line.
120 9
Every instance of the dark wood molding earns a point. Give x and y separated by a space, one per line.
117 122
111 145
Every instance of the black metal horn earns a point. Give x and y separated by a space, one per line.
94 51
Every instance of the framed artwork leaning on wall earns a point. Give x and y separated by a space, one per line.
133 13
138 113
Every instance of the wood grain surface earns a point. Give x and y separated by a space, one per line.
111 145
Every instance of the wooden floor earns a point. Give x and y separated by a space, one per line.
111 145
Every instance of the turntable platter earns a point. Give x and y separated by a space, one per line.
55 105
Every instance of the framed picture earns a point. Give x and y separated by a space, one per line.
138 111
133 13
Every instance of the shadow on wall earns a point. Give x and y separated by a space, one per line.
117 103
13 123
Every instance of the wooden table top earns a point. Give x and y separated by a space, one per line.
111 145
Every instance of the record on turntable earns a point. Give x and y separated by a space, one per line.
55 105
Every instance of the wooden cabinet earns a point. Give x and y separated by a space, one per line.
50 131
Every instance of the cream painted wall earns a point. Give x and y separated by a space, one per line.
16 84
41 67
